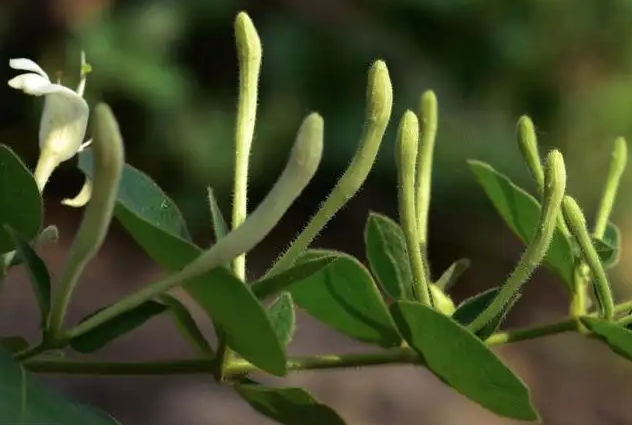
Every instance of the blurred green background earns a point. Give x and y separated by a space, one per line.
169 71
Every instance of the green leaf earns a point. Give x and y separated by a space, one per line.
14 344
38 273
462 361
187 325
453 274
283 280
471 308
226 299
521 212
140 194
609 248
20 200
123 324
26 401
618 338
388 256
220 228
288 406
282 317
345 297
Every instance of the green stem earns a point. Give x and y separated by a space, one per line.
378 112
406 156
555 184
404 355
577 223
423 182
617 166
31 352
109 159
249 53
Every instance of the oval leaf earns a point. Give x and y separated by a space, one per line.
471 308
37 271
283 280
282 317
100 336
462 361
521 212
388 256
225 298
345 297
618 338
187 325
26 401
20 200
288 406
609 248
141 195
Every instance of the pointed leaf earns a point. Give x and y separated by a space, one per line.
220 228
163 235
471 308
283 280
388 256
453 274
187 325
141 195
14 344
521 212
288 406
462 361
345 297
20 200
281 314
27 401
123 324
38 273
618 338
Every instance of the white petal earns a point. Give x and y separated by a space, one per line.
30 83
27 65
64 122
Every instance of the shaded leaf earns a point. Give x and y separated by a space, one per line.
288 406
345 297
282 317
521 212
20 200
609 248
618 338
26 401
163 236
283 280
187 325
37 271
453 274
472 307
462 361
101 335
388 256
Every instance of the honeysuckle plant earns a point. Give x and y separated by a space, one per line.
64 116
397 303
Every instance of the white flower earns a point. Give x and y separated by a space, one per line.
64 118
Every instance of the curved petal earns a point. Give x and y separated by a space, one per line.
30 83
82 197
27 65
64 122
